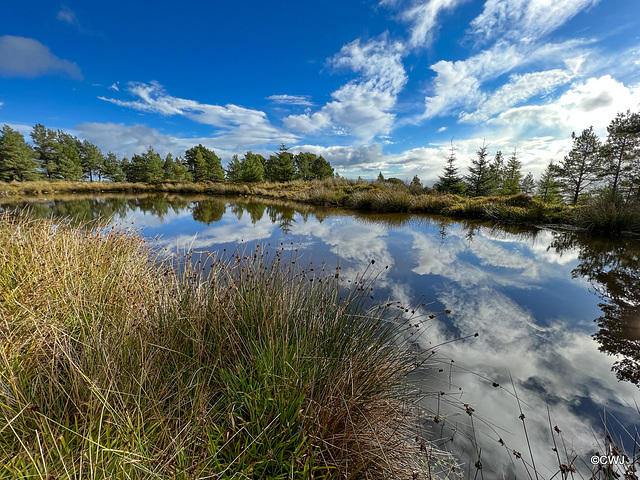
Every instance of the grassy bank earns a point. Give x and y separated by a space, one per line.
378 197
114 365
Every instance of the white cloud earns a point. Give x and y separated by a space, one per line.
292 100
125 140
524 20
457 84
27 57
65 14
594 102
442 129
115 87
308 123
518 89
362 106
239 127
424 17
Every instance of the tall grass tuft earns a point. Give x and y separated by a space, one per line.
117 364
609 216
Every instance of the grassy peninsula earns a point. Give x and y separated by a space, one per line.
601 214
115 363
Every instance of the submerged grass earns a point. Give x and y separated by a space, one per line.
115 364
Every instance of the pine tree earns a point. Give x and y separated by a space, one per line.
234 169
68 164
168 167
302 162
380 178
252 169
213 171
583 166
548 189
200 173
47 148
280 167
480 179
16 157
181 171
512 176
91 159
450 181
321 168
497 173
621 148
528 184
112 169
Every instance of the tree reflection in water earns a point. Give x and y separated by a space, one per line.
612 267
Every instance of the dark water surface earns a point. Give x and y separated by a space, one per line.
557 315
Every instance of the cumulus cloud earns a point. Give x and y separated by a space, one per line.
304 100
238 127
362 106
27 57
594 102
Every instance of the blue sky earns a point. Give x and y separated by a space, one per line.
371 85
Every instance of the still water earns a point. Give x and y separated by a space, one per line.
557 316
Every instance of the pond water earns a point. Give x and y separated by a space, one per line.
557 315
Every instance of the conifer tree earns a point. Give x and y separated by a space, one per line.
280 167
480 179
320 168
450 181
212 172
497 173
234 169
621 149
16 157
547 188
91 159
252 169
512 176
582 167
528 184
112 169
47 148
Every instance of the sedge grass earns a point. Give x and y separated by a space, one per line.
117 364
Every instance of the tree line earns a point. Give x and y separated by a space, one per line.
57 155
610 167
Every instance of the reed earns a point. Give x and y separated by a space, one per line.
118 363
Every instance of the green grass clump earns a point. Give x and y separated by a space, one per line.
609 216
114 364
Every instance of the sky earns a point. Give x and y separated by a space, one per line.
372 85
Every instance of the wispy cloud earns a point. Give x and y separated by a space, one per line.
27 57
518 89
524 20
424 17
304 100
115 87
237 127
66 15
